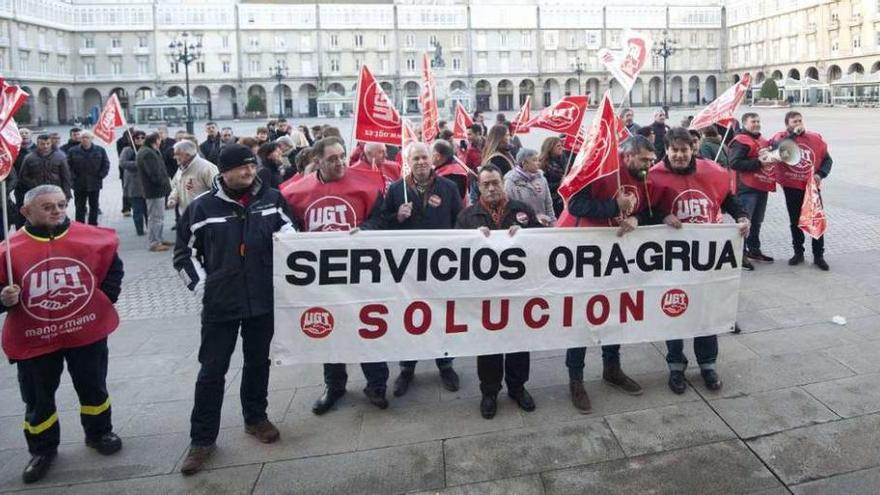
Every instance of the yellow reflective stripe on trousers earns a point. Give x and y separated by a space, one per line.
40 428
95 410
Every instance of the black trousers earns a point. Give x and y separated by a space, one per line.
79 199
514 368
705 349
38 380
794 199
218 344
336 376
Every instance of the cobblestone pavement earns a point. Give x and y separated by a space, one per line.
799 411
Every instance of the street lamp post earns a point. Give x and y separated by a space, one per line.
579 68
279 72
665 48
183 51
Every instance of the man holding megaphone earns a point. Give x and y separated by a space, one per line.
750 156
813 160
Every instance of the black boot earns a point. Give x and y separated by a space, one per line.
449 378
327 400
676 382
797 259
489 405
376 397
523 399
713 381
37 467
401 384
821 264
106 444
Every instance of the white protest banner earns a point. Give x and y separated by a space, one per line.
399 295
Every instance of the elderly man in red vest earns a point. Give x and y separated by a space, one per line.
59 304
375 157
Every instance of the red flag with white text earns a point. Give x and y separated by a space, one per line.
111 118
599 157
376 119
722 110
463 122
574 143
625 66
565 116
11 99
812 220
428 102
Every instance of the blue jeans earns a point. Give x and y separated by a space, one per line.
574 359
755 204
705 348
138 214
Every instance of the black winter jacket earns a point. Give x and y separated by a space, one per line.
475 216
88 167
226 249
437 208
154 177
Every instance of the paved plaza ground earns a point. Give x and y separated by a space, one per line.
799 411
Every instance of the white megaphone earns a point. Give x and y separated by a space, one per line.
788 152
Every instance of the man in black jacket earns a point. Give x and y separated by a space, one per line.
88 167
45 166
210 147
75 136
432 202
494 211
156 186
224 240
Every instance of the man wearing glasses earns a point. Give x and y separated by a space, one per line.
339 198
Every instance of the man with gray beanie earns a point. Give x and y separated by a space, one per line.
224 252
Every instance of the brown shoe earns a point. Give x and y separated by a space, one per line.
195 458
168 243
615 377
579 397
265 431
157 248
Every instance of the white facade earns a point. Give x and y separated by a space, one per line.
71 55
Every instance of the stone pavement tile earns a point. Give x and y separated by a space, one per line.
870 302
392 470
799 339
730 349
795 315
756 299
143 365
423 422
76 463
769 412
150 389
305 436
724 467
667 428
819 451
855 483
12 435
755 321
524 485
861 358
845 307
849 397
503 455
173 417
554 403
217 481
867 327
183 341
121 344
773 372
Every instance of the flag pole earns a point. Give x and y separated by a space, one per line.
4 197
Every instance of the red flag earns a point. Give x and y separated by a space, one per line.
812 220
376 120
722 109
428 101
599 157
520 122
574 143
11 99
10 146
565 116
463 122
111 118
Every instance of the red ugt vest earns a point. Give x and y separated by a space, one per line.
330 206
693 198
390 170
606 188
61 304
813 152
757 179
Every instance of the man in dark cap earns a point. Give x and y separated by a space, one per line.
224 240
